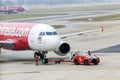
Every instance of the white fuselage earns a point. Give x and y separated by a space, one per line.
37 37
43 37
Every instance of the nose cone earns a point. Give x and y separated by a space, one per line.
52 42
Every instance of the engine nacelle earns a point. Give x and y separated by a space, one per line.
63 49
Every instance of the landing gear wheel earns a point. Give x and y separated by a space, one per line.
42 56
57 62
44 61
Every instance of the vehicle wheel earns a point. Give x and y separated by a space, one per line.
86 62
76 62
95 62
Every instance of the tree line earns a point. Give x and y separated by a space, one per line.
51 2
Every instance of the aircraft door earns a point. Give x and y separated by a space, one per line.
31 40
34 40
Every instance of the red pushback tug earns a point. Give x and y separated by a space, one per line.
80 58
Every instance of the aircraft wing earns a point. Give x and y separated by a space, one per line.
6 43
81 33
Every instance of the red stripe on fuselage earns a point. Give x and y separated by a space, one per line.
16 32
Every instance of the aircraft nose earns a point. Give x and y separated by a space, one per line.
52 42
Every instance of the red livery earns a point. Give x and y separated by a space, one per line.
11 9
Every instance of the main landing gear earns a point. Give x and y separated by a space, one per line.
42 56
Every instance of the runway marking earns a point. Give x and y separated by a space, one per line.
111 49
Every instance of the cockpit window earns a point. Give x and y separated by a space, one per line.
40 34
48 33
54 33
43 33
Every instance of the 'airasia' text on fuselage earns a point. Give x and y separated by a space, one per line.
14 31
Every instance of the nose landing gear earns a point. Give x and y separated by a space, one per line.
42 56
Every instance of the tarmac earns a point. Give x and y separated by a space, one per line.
20 65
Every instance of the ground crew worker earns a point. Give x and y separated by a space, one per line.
72 55
36 60
102 28
89 53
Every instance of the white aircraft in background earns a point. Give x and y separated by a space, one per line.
38 37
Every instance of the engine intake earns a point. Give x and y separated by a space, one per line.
63 49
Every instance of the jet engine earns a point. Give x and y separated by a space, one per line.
63 49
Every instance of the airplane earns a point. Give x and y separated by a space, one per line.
38 37
12 9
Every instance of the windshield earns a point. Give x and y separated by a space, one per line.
47 33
